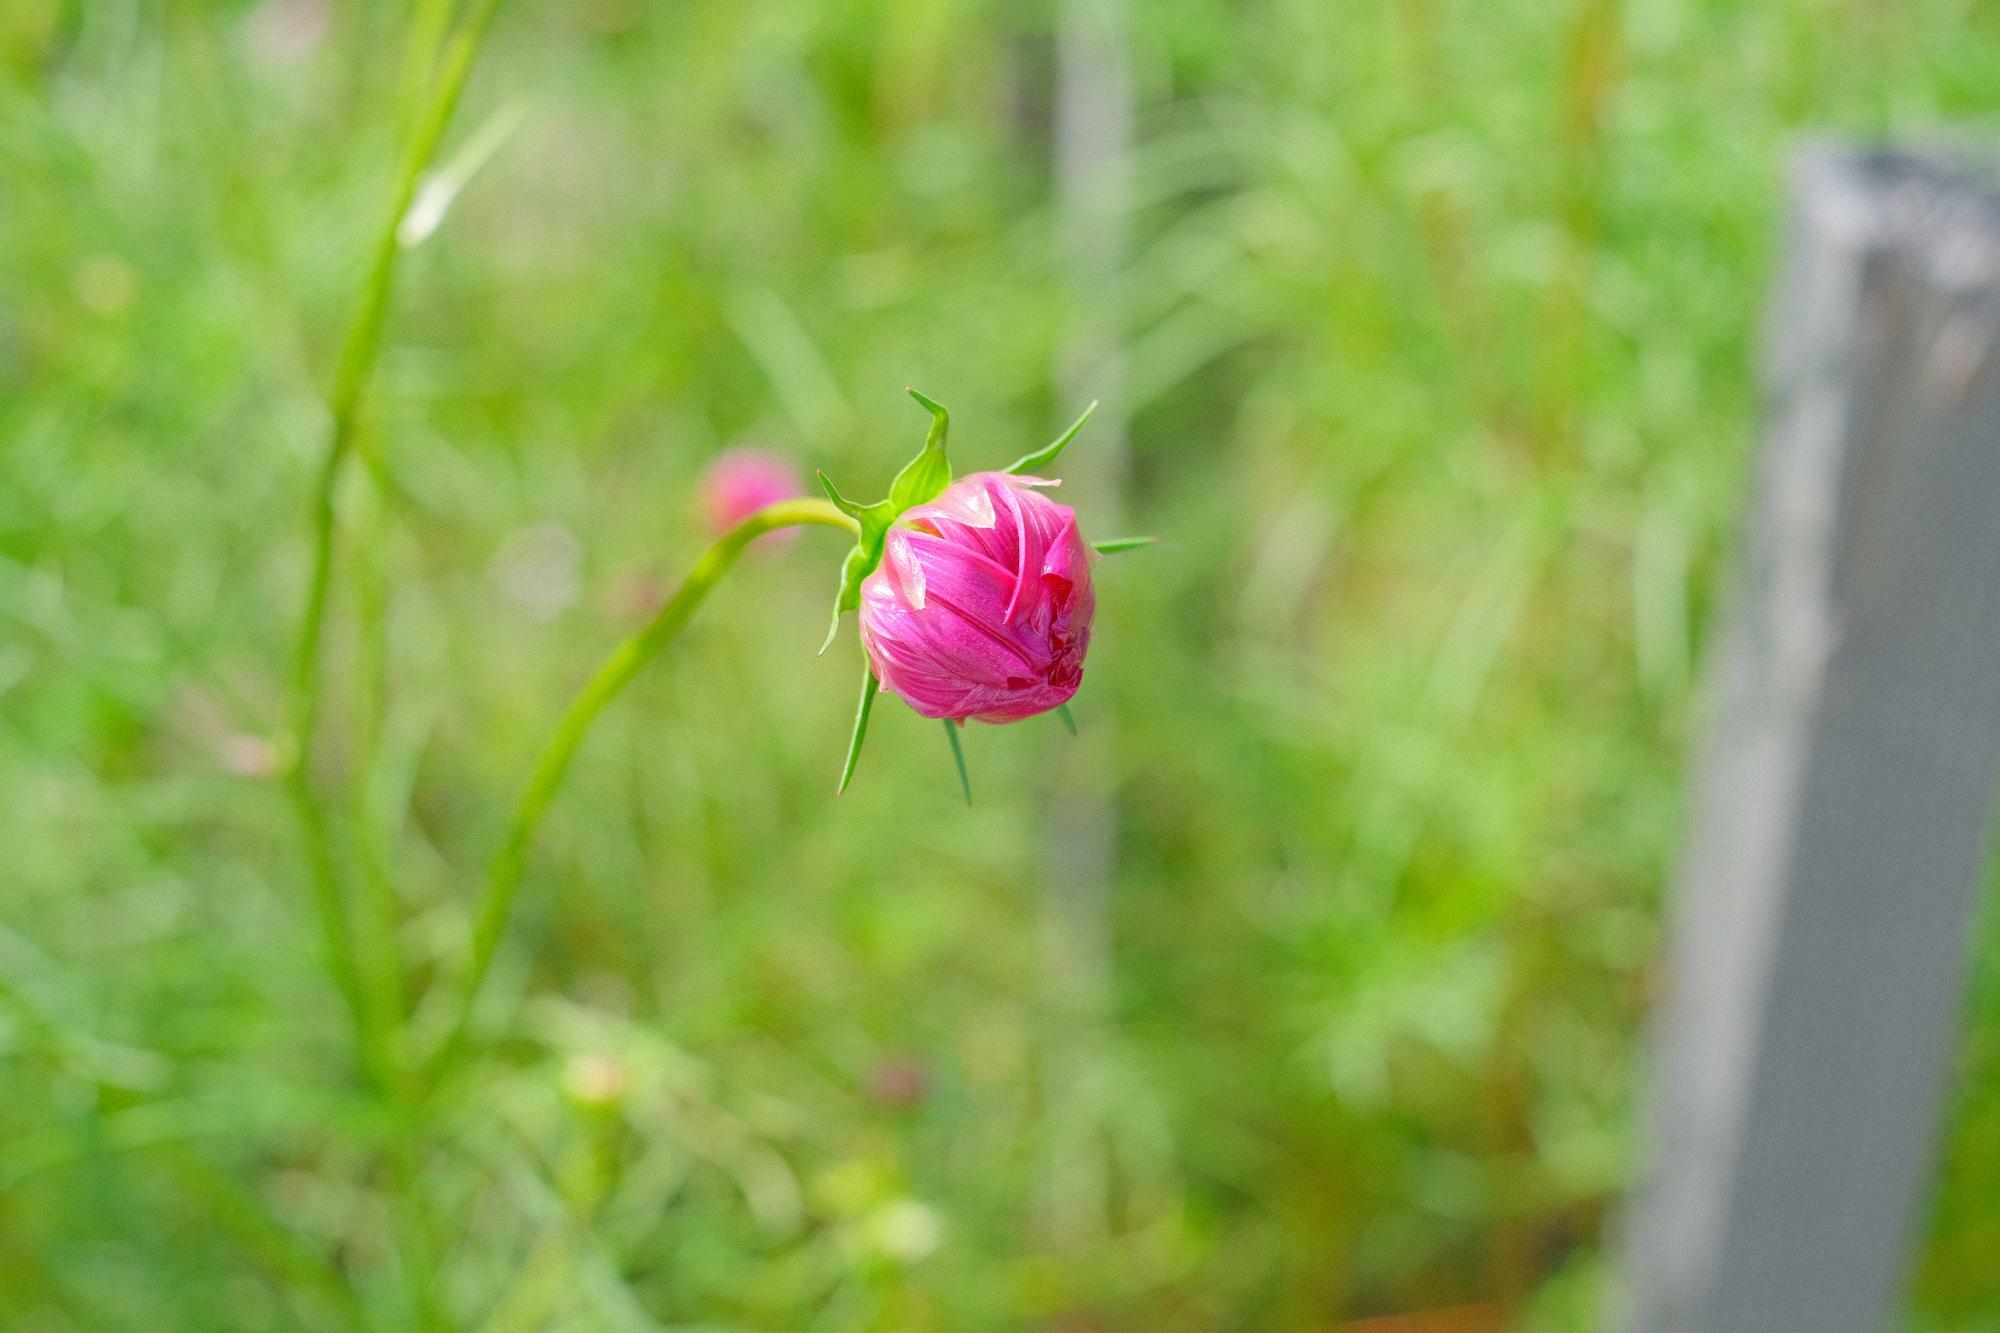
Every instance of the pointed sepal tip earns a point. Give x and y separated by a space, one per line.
951 730
870 687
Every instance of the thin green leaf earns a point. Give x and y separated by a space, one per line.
958 755
1047 454
874 521
1113 545
1068 718
870 687
926 475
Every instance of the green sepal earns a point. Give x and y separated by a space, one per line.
874 521
958 757
1068 718
870 687
1113 545
852 570
924 477
1047 453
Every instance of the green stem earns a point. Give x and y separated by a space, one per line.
430 22
380 914
503 876
412 1225
357 362
363 348
382 972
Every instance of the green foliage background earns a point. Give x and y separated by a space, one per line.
1307 985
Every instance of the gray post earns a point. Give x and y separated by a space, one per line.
1841 807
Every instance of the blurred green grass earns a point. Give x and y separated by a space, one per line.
1306 985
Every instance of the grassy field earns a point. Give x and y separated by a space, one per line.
1304 986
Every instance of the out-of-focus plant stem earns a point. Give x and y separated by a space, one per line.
370 986
379 913
358 356
503 876
430 23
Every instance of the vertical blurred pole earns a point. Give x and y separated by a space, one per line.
1092 132
1093 180
1842 806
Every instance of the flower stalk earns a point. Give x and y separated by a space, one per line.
504 872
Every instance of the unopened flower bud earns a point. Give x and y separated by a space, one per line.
595 1081
897 1083
742 481
981 606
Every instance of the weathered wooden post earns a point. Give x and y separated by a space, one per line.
1842 804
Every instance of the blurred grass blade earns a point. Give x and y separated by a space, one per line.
439 188
870 687
785 350
1048 453
353 372
847 597
1113 545
958 757
1068 718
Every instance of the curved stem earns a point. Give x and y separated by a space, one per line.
503 875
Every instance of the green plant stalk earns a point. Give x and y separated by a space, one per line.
382 970
430 23
362 350
412 1225
503 876
358 356
380 916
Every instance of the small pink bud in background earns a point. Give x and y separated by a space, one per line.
897 1083
596 1081
249 756
636 598
283 32
742 481
981 606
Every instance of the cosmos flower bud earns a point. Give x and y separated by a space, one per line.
742 481
981 605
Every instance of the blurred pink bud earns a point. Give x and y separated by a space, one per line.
636 598
249 756
742 481
596 1081
981 606
282 32
897 1083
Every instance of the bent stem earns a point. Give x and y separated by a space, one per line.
503 876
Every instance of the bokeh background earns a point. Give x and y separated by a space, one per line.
1305 989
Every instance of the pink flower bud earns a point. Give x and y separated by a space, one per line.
742 481
981 606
